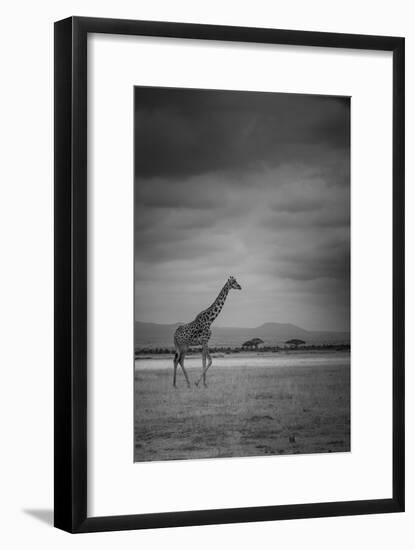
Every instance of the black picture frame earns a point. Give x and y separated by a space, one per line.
70 173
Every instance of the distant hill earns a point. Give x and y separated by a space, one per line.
157 335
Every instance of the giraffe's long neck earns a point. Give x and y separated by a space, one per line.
213 311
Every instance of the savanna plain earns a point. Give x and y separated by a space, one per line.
254 405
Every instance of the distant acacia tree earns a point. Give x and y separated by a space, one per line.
295 342
252 344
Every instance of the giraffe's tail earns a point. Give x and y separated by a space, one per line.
176 345
176 352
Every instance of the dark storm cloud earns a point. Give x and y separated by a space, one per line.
162 193
328 261
251 184
184 132
309 214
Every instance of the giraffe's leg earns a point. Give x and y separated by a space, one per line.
209 358
205 354
175 362
203 365
181 361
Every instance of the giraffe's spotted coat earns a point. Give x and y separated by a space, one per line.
198 333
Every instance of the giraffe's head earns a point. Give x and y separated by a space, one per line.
233 283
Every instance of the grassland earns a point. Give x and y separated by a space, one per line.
259 406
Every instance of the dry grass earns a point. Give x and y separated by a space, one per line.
245 411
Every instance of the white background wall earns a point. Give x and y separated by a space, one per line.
26 273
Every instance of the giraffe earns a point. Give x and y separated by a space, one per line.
197 333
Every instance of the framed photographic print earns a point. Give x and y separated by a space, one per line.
229 274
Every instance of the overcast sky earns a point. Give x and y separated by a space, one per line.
255 185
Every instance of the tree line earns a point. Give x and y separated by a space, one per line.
290 345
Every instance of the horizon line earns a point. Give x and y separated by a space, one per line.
249 328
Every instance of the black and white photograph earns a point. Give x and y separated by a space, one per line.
204 268
242 274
